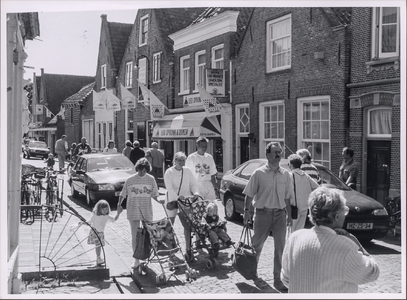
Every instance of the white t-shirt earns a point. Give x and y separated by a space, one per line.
99 221
202 166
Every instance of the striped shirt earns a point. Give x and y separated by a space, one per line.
139 191
312 171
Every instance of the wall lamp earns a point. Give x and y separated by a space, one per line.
147 69
252 137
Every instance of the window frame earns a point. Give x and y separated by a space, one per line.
157 60
368 118
377 35
128 81
197 69
300 127
143 35
184 89
262 139
215 61
269 54
103 78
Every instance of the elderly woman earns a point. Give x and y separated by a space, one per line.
180 183
307 166
326 258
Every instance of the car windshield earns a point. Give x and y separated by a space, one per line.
331 180
37 145
109 163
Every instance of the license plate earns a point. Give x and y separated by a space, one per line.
116 194
360 226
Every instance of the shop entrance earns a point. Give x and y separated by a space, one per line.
244 149
378 170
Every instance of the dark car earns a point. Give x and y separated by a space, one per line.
367 218
100 176
36 149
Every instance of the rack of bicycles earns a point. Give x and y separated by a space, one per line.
41 194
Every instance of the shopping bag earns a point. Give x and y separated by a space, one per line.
143 246
294 212
244 258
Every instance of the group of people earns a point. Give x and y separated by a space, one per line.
63 151
323 259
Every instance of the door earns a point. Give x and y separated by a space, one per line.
378 170
244 149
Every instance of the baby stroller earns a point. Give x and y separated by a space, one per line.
164 245
191 213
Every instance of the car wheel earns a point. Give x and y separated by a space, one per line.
230 209
74 193
89 200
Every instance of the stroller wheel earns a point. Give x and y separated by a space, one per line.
209 264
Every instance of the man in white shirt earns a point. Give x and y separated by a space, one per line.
204 169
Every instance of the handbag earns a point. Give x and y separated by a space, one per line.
143 246
244 259
174 204
294 208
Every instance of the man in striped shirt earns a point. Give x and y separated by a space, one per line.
307 166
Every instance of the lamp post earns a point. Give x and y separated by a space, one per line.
147 68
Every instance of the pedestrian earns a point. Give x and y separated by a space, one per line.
61 149
136 153
180 183
303 186
157 161
127 150
216 228
349 170
71 152
204 169
270 191
307 165
83 147
100 216
326 258
50 161
110 148
139 189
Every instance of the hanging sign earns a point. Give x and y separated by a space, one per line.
215 82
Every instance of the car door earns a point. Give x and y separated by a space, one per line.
78 175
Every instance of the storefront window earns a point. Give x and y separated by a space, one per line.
218 155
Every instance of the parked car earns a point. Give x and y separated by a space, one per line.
36 149
99 176
367 218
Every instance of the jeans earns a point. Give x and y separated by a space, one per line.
217 233
264 221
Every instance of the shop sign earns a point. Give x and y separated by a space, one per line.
185 132
39 109
192 100
215 82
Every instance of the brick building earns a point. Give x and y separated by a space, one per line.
374 109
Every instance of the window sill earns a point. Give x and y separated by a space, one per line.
383 64
183 93
158 81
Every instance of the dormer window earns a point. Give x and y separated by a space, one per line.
143 30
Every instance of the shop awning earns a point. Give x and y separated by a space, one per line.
187 126
43 129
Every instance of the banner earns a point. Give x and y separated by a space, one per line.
99 103
49 114
157 108
215 82
211 105
113 103
128 99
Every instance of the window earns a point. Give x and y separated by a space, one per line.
385 32
314 128
103 76
157 67
379 122
200 63
129 75
244 120
129 119
279 44
272 117
71 112
217 57
142 70
184 74
143 30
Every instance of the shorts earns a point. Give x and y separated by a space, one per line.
93 238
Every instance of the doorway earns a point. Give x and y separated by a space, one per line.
244 149
378 170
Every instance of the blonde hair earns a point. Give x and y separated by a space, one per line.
179 155
214 206
97 210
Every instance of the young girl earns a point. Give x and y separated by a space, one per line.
50 161
100 216
217 229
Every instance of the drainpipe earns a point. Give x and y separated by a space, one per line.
230 81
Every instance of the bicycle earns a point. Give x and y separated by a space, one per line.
394 210
53 203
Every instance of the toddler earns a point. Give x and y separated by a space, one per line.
217 228
50 161
100 216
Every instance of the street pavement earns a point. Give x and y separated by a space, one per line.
222 280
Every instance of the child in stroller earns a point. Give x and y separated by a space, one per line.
216 228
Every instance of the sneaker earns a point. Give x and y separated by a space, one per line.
135 264
99 261
279 285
